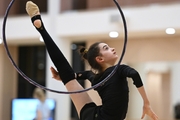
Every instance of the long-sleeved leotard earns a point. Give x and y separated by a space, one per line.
114 93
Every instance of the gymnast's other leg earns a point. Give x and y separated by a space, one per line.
65 71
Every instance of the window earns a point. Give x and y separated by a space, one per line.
73 5
79 4
19 6
32 61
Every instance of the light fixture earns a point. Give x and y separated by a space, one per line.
113 34
73 46
170 31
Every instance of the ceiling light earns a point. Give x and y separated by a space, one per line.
170 31
73 46
113 34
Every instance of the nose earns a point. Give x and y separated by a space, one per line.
113 49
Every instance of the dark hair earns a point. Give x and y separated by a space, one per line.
91 54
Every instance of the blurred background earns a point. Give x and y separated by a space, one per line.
153 49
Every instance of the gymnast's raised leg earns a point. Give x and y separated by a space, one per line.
65 71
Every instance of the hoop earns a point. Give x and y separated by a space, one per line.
55 91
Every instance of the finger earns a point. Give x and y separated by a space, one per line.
143 115
53 70
155 117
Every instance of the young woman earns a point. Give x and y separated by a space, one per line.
43 111
102 58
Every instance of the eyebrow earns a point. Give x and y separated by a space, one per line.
105 46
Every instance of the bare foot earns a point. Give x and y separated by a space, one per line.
33 10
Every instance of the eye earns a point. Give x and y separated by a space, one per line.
106 48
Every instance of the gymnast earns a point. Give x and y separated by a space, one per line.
102 59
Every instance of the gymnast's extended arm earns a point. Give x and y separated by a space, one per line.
81 75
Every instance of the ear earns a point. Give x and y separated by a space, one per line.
99 59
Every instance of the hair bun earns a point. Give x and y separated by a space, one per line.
83 51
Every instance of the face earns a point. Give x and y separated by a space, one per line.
108 54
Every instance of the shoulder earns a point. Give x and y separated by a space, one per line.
123 66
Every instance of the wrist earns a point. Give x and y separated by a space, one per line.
146 102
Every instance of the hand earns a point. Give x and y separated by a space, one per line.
55 74
148 110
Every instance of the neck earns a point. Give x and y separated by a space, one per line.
106 66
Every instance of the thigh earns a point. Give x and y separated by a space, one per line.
79 99
88 112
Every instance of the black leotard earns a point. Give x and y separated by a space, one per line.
114 93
